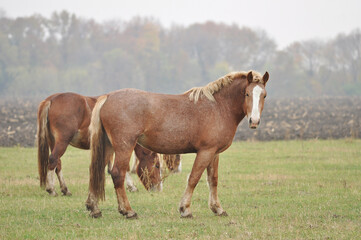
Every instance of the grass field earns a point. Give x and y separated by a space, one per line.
271 190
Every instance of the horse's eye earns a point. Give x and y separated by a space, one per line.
247 95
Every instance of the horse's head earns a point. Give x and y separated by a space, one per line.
148 171
255 95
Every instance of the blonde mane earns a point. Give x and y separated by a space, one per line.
215 86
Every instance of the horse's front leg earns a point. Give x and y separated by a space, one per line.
212 179
130 183
202 160
134 165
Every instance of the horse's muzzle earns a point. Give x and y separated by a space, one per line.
157 188
253 123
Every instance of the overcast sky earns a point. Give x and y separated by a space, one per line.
285 21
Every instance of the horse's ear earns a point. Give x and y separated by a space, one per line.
265 78
250 77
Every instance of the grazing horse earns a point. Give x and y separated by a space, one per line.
202 120
147 175
172 162
63 119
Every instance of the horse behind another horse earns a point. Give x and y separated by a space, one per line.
168 162
63 119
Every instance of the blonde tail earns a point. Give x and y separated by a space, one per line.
98 140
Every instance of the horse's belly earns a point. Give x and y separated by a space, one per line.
166 144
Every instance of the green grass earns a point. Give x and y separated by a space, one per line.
271 190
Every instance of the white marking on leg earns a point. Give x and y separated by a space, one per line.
50 182
184 206
130 183
135 162
111 164
61 179
179 167
64 188
50 179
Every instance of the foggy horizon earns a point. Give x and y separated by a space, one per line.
284 21
310 48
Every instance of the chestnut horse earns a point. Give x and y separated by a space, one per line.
149 176
64 119
172 162
202 120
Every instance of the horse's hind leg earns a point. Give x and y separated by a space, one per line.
59 173
212 179
50 176
91 203
50 183
57 150
121 164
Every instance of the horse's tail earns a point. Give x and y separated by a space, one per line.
98 141
43 140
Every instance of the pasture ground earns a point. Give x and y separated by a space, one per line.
271 190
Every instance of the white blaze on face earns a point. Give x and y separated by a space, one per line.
255 115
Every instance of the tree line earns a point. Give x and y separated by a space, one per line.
40 56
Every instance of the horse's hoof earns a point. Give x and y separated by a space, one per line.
52 193
133 215
96 214
185 212
68 194
187 216
223 214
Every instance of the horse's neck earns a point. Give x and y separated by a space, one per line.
232 98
